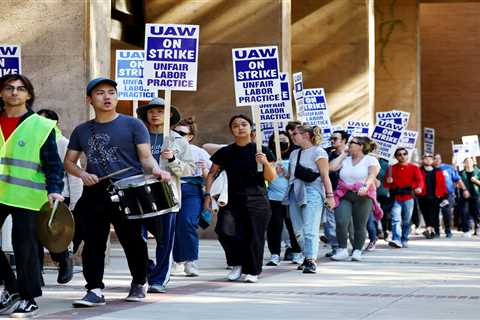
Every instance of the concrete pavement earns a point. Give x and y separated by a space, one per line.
433 279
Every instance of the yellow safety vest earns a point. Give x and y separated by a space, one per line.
22 181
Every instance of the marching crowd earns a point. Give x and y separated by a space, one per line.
344 188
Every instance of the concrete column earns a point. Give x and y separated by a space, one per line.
397 61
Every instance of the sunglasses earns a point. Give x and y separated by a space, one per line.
183 134
355 142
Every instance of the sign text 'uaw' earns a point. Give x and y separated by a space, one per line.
315 108
129 76
10 60
387 136
171 56
280 111
256 75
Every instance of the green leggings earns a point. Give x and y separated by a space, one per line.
358 209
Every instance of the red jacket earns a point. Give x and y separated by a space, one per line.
441 190
404 175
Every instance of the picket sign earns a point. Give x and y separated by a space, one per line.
10 59
428 140
298 94
473 145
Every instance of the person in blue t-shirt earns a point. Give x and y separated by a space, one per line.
452 179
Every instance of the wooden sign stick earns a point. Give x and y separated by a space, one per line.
276 139
258 133
134 108
166 118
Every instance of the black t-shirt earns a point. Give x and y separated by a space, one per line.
241 167
470 184
334 175
430 183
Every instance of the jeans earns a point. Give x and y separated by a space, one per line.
330 228
185 246
306 221
447 212
353 208
25 248
372 228
163 230
401 216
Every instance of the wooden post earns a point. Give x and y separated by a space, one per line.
276 139
134 108
166 118
258 133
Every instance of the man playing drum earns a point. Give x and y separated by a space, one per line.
111 142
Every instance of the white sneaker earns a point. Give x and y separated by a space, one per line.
274 260
357 255
251 278
342 254
178 269
297 258
235 274
191 269
467 234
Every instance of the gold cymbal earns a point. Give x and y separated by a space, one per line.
59 234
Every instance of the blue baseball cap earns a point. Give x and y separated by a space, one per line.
95 82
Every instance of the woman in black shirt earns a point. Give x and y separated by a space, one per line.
242 223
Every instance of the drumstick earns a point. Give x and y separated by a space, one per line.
114 174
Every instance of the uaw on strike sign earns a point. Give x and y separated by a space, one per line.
256 75
10 60
129 75
171 56
280 111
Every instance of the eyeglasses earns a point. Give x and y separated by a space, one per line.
183 134
12 89
355 142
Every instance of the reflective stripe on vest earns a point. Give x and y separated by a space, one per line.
22 181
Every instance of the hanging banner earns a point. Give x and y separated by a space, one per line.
471 142
428 140
387 136
171 56
256 75
10 60
280 110
298 92
409 140
357 128
129 76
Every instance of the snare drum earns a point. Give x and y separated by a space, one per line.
144 196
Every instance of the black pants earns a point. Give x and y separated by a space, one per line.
386 203
470 211
430 211
25 249
251 214
275 228
447 213
416 213
97 212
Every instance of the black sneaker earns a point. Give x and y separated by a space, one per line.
65 271
137 292
8 302
300 267
324 239
310 266
90 300
288 254
331 253
25 309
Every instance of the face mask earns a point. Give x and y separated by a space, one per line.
284 146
